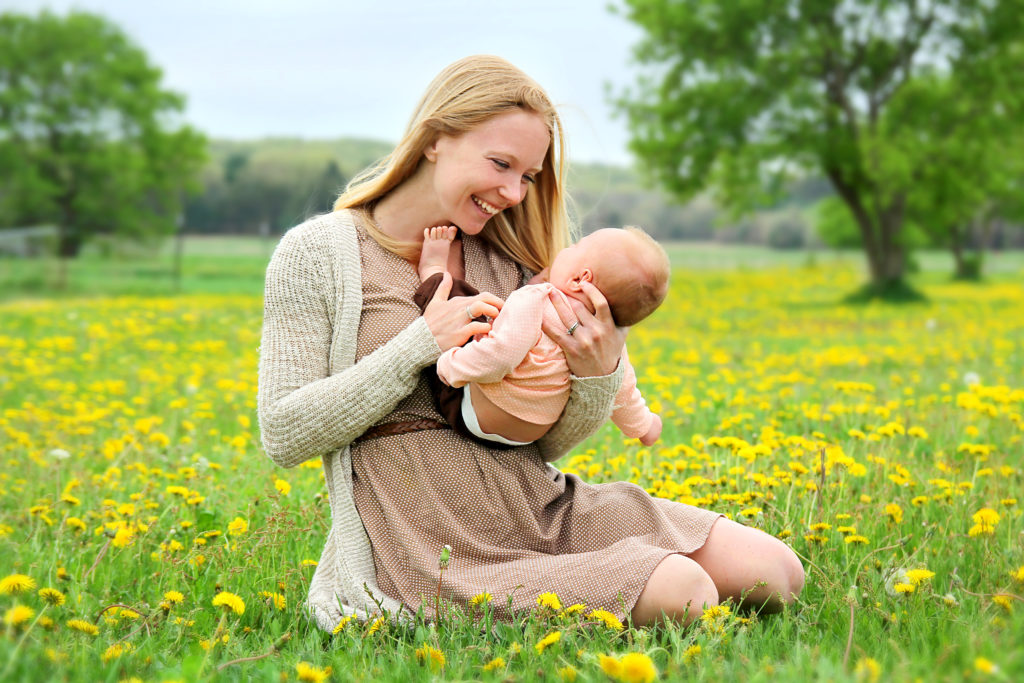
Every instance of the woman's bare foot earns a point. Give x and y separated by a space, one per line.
434 256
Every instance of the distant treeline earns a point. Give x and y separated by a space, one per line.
266 186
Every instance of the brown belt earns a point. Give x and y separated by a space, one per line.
393 428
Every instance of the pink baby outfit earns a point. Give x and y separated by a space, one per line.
523 371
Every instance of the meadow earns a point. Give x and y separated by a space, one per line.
144 535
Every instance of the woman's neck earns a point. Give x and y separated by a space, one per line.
409 208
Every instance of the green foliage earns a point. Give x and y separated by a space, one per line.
741 96
85 135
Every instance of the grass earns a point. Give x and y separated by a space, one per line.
876 440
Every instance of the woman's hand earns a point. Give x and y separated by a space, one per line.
451 320
594 347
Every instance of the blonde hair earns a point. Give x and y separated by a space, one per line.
464 95
634 279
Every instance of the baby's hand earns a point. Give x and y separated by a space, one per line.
653 434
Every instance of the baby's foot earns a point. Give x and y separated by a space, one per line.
434 256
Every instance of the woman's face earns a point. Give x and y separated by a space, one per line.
488 169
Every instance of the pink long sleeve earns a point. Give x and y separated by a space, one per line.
631 414
515 331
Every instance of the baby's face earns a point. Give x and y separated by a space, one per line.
580 261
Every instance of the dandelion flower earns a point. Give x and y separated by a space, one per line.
115 651
238 526
568 673
342 624
16 583
548 640
309 563
283 487
868 670
917 576
51 596
174 597
895 512
82 626
985 666
637 668
305 671
496 663
1018 575
856 538
230 602
610 666
275 599
904 588
377 624
1003 601
691 654
481 599
549 600
18 615
430 656
609 619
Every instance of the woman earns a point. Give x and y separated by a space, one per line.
340 378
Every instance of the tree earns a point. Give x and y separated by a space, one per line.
741 95
85 131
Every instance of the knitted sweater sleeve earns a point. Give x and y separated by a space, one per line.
590 405
304 411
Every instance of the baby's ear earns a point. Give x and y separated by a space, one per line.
587 275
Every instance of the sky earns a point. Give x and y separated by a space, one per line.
345 68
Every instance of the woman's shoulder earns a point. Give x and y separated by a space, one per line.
321 235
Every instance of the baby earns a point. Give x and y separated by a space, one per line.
516 377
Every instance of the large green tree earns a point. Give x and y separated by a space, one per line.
89 139
742 95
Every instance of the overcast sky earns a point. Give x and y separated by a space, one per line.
323 68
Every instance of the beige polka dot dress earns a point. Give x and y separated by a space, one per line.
517 526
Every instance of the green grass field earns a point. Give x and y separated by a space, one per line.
882 442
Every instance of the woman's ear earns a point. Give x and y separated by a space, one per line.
430 153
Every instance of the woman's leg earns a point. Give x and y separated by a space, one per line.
679 590
745 561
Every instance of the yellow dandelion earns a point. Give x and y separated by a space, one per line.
174 597
1003 601
275 599
549 600
481 599
1018 574
548 640
610 666
895 512
691 654
715 612
1008 502
568 673
238 526
283 487
986 516
637 668
82 626
609 619
15 584
18 615
115 651
916 576
62 574
377 624
856 538
309 563
51 596
342 624
985 666
430 656
75 523
305 671
904 588
496 663
868 670
230 602
578 608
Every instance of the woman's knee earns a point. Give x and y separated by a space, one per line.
678 590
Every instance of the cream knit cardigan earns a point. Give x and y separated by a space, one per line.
314 400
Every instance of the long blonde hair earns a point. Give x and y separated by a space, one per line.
464 95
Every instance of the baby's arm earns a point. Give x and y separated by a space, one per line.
434 254
631 413
515 331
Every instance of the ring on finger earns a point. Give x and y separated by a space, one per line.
572 328
469 313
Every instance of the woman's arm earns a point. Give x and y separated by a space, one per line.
590 405
304 412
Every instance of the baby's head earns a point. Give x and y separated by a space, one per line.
626 264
